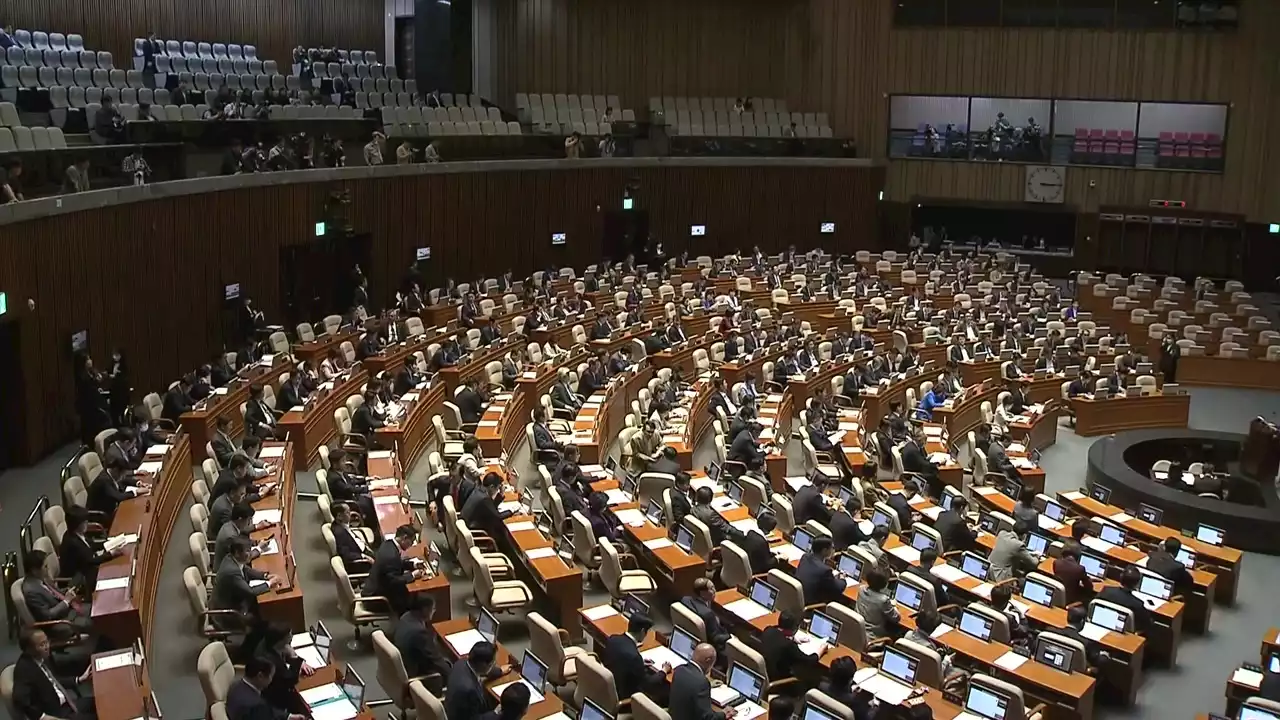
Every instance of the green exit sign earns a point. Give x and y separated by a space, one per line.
4 302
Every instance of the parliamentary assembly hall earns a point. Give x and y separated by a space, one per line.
640 359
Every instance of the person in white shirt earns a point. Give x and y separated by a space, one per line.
1003 416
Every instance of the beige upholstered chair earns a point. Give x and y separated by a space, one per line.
551 645
498 595
643 708
356 610
197 597
215 671
619 581
392 675
595 681
426 706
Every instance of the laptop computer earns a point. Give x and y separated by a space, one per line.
1186 557
813 712
763 594
849 566
921 541
1249 712
1100 493
975 565
1058 657
1038 544
1111 533
1209 534
975 625
947 498
988 522
879 519
1095 566
825 627
1150 514
714 471
802 538
682 643
1103 616
1054 511
684 539
1037 592
734 491
845 495
986 703
908 596
630 485
632 605
750 687
487 626
896 669
653 511
1152 589
1011 488
592 711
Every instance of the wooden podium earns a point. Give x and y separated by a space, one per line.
1260 457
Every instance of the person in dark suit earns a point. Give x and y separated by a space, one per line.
481 509
220 510
41 688
282 692
838 685
1068 570
47 603
1076 617
123 445
691 690
680 504
176 400
1124 597
406 378
512 704
239 526
245 700
370 342
1164 562
392 572
417 641
809 503
201 387
470 404
744 448
236 587
259 418
107 491
781 653
715 522
593 379
621 654
666 462
603 327
816 577
928 558
720 400
79 558
700 602
491 332
223 446
236 473
954 527
845 532
756 545
349 542
367 420
464 695
914 460
291 394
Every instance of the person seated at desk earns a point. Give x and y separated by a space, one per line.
491 332
563 399
465 695
543 439
393 572
239 525
333 365
983 349
1046 362
236 588
755 543
602 328
1002 601
720 402
1068 571
245 699
690 697
123 445
845 531
997 460
259 418
782 654
79 557
619 361
1003 416
512 705
631 674
481 509
1125 598
644 447
701 602
1025 509
1163 561
407 377
224 447
593 378
470 311
810 504
48 604
936 396
875 605
1018 401
292 394
238 472
666 462
539 316
348 541
108 490
417 641
371 342
282 692
915 460
929 558
838 685
446 356
786 366
42 688
720 528
346 485
470 402
958 353
1081 385
1077 614
922 634
680 501
675 334
816 577
1009 557
176 400
566 482
367 419
745 447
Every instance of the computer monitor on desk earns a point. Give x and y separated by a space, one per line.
1095 566
592 711
763 594
1056 656
684 539
850 566
1250 712
682 643
802 538
986 703
975 625
487 626
908 596
1209 535
899 666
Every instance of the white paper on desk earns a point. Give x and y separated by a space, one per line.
773 397
848 426
765 421
932 512
985 490
275 451
273 547
983 590
703 482
1048 523
270 515
119 541
151 468
1011 660
796 482
1251 678
409 397
462 642
939 631
788 552
1016 448
887 690
1022 463
386 500
116 660
939 458
311 656
810 646
255 584
723 503
591 469
948 573
658 543
1096 543
866 526
339 709
521 526
662 655
379 455
932 431
1073 495
538 553
1120 517
511 506
632 517
906 552
487 423
722 695
1021 606
119 583
133 490
301 640
557 716
1094 632
746 525
383 483
599 612
747 609
617 497
158 450
221 390
836 437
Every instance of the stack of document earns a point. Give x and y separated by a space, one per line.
886 689
270 515
788 552
632 517
599 612
328 702
119 541
747 609
662 655
463 641
275 451
151 468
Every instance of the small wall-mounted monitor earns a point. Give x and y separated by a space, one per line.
827 228
628 203
1274 228
80 341
697 230
320 229
4 303
558 238
231 292
422 253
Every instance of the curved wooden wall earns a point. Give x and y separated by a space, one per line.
148 275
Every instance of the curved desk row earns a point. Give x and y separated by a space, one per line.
201 422
1252 373
1103 416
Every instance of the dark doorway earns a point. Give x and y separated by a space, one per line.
13 441
626 231
317 279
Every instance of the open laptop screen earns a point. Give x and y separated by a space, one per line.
748 684
986 703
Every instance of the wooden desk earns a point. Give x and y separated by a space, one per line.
283 604
1039 432
736 371
1253 373
775 414
1102 417
201 423
392 514
125 614
550 704
317 350
1223 561
313 424
413 433
560 581
604 414
122 693
673 569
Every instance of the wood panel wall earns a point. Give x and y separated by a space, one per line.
148 277
639 49
848 59
275 27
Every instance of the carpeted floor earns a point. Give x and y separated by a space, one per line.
1196 685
